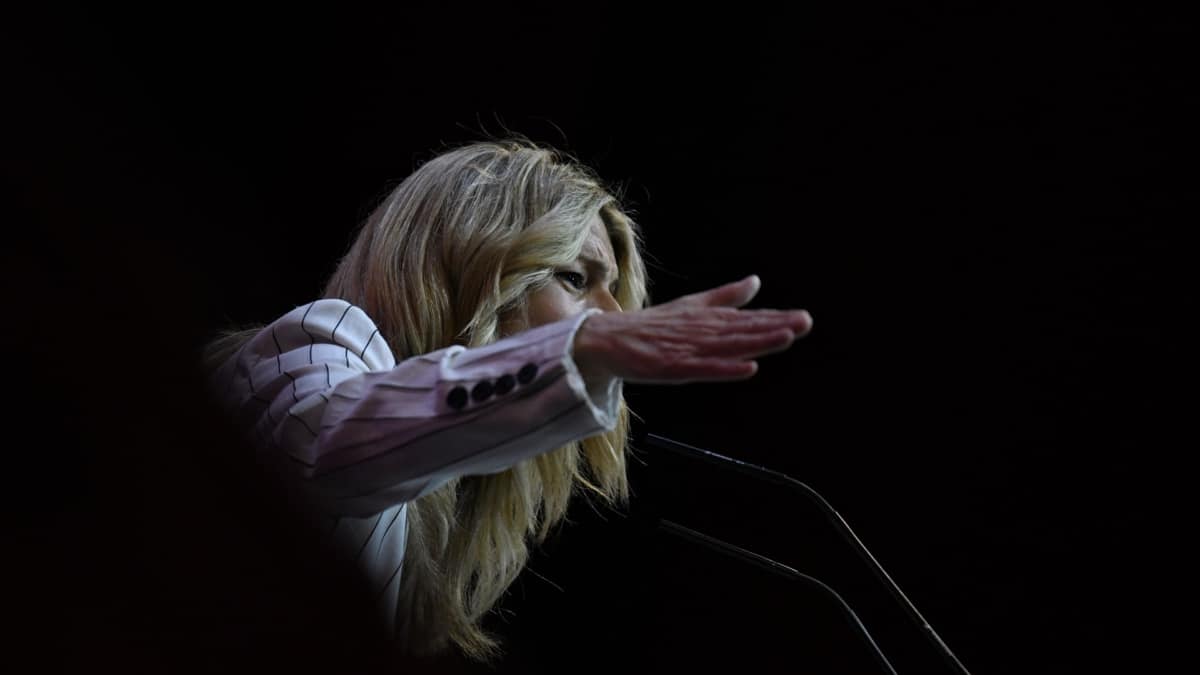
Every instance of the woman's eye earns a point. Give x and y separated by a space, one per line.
575 279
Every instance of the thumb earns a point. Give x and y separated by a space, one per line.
735 294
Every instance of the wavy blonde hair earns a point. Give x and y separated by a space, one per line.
458 245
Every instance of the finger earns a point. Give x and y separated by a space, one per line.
805 322
735 294
725 371
744 346
797 320
701 370
726 320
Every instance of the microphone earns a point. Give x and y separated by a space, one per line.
839 523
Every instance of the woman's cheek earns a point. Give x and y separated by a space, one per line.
551 304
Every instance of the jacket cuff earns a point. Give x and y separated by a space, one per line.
602 395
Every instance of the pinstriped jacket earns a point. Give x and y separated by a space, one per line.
320 389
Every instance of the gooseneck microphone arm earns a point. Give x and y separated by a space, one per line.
833 517
786 572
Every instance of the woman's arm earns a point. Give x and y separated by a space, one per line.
704 336
320 386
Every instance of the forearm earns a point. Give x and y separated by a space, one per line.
392 436
365 433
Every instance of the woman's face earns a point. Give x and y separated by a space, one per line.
590 281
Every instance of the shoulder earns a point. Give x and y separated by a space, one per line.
326 322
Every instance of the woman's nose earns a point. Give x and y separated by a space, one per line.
605 301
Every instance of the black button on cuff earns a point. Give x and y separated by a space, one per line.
457 398
504 384
526 374
482 391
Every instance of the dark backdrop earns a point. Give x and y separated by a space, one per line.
978 204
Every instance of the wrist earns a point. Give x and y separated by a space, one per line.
586 351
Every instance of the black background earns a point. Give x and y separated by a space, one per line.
979 204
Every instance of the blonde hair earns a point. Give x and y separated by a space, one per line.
457 245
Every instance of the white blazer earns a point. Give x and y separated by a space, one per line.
320 389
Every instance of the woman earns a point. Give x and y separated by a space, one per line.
462 376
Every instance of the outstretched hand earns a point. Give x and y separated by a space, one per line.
699 337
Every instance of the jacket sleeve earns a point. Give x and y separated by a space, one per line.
320 386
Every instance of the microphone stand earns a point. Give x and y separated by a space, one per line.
832 516
784 571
